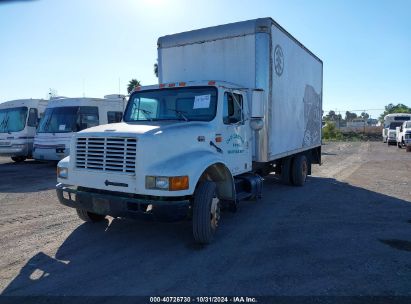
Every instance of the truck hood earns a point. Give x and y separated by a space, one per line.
130 129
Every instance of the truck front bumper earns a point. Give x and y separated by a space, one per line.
123 206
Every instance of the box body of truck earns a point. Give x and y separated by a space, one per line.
256 54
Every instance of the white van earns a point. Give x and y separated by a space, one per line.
66 116
18 123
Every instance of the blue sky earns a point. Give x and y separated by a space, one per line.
69 45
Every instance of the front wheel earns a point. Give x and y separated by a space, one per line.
399 145
206 212
300 170
89 217
18 159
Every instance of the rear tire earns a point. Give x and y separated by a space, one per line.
89 217
399 145
286 166
206 212
18 159
300 170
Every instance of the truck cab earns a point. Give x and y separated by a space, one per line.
173 140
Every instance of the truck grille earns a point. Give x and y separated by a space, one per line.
116 154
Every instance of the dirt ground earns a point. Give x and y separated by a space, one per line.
346 232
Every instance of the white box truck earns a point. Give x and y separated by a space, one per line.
391 122
65 116
234 103
18 123
404 135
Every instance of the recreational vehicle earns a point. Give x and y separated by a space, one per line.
18 123
66 116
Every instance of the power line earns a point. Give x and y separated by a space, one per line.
343 111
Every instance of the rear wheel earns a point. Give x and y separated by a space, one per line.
399 145
286 170
300 170
206 212
18 159
89 217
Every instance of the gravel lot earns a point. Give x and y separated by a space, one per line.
347 232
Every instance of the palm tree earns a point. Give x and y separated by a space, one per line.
132 84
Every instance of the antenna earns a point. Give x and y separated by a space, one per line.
84 85
119 92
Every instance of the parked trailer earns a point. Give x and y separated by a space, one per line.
66 116
391 122
193 146
18 123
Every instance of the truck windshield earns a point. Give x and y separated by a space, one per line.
68 119
13 119
393 125
187 104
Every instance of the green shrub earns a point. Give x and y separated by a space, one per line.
330 132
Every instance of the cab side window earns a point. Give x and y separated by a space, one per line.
232 108
113 117
33 118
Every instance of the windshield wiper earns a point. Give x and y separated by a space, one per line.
146 112
180 114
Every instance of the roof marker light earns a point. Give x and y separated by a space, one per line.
182 84
171 85
211 82
162 85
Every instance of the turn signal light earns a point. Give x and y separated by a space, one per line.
178 183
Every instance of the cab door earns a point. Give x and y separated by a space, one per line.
235 132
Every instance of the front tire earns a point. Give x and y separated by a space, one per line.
18 159
206 212
89 217
300 170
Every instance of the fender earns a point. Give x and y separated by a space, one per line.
195 164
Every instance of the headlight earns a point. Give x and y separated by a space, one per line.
62 172
170 183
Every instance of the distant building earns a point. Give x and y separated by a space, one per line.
372 122
356 123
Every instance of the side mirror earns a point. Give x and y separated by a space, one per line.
258 102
